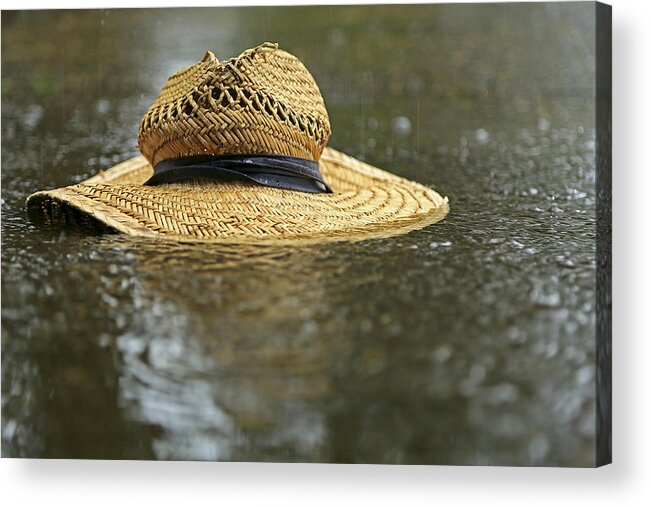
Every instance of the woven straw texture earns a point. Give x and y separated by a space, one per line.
262 102
367 202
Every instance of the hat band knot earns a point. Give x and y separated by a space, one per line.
277 171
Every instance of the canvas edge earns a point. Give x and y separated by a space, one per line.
603 124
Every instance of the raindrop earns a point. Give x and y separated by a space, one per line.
401 126
310 327
9 429
573 194
482 136
442 354
587 426
564 262
544 297
538 448
502 393
543 124
585 374
337 37
443 244
552 350
110 300
32 116
102 106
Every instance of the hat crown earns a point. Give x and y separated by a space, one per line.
262 102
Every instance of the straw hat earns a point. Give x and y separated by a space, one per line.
236 151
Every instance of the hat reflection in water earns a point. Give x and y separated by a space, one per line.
236 151
243 378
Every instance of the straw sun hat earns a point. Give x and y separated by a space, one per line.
235 151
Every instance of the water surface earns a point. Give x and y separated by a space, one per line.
468 342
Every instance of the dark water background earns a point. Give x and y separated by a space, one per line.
468 342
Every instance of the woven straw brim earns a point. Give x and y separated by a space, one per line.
367 202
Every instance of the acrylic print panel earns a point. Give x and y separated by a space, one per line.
483 339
